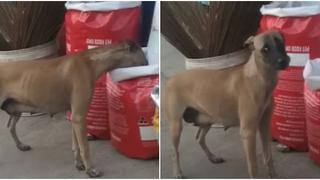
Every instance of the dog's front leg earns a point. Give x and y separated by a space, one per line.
175 129
79 127
248 129
75 148
266 139
80 101
173 111
249 142
13 123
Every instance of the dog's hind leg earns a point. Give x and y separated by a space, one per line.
202 141
13 123
266 139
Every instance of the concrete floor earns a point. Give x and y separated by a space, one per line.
226 144
52 157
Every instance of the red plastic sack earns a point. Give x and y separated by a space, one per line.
288 124
85 30
312 90
131 112
298 22
312 99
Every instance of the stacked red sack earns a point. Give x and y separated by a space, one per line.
92 24
296 117
131 108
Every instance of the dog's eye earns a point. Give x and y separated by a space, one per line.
265 49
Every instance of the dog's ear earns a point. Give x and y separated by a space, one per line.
249 43
131 46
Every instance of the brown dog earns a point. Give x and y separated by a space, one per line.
62 84
240 95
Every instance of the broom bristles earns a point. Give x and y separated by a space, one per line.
201 31
26 24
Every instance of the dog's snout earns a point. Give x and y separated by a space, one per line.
288 59
283 62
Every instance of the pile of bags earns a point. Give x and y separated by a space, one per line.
296 116
121 108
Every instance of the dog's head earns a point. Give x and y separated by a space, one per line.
270 46
132 54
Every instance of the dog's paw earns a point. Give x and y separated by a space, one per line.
283 148
216 160
80 166
91 138
24 147
94 173
178 176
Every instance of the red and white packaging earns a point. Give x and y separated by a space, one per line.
298 22
312 99
311 74
131 108
131 112
92 24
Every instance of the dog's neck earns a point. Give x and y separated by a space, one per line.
107 59
258 70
